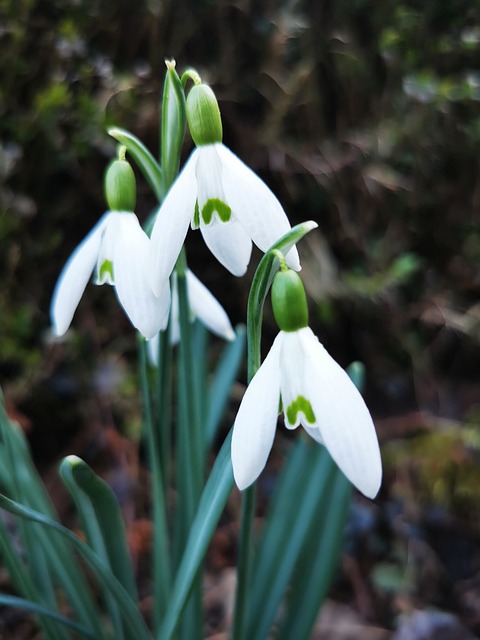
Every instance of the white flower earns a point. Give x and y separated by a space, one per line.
203 305
316 393
117 248
231 205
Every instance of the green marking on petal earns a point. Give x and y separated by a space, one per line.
213 205
105 273
196 216
300 405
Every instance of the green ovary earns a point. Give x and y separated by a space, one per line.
213 205
105 273
300 405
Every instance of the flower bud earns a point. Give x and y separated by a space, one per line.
203 115
120 186
289 301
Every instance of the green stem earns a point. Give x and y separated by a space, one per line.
244 563
190 441
161 558
212 503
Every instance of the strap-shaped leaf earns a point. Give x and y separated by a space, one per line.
43 612
212 502
79 477
134 622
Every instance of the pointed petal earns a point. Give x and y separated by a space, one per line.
254 205
74 278
207 308
256 421
342 417
147 312
171 225
230 244
152 350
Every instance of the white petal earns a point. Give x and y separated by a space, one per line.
230 244
256 421
254 205
147 312
293 383
153 346
209 175
207 308
74 278
171 224
174 313
342 417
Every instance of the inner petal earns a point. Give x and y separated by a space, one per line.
296 404
211 200
104 271
300 411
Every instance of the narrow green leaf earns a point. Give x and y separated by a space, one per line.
221 385
43 612
143 157
134 622
155 440
212 503
316 567
108 515
22 580
312 498
26 486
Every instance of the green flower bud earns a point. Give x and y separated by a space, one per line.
203 115
120 186
289 301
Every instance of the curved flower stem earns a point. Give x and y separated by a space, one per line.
262 280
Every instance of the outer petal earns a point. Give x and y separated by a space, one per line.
74 278
254 205
342 417
207 308
171 224
230 244
147 312
256 421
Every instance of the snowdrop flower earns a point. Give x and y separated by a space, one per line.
313 390
218 194
203 305
117 249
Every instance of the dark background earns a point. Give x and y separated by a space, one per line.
362 116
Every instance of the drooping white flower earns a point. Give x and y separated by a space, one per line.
117 249
217 193
313 390
316 393
203 305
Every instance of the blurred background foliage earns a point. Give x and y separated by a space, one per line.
362 116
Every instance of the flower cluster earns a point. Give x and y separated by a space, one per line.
218 194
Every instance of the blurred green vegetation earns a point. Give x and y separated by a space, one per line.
363 116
